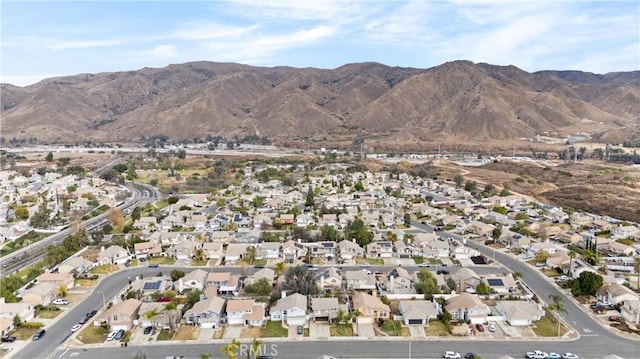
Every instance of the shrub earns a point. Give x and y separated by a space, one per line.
36 325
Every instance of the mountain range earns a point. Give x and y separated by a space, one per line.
455 101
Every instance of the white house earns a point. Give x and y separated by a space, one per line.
206 313
468 307
245 312
520 312
290 310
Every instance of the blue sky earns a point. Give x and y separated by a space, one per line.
53 38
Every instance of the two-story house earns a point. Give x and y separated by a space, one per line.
120 316
206 313
245 312
349 250
324 309
360 280
290 310
329 279
379 249
147 249
466 306
370 307
113 255
398 281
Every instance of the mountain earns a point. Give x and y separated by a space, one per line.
459 101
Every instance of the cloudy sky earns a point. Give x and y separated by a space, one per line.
53 38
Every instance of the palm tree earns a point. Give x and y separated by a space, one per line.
572 255
557 307
251 254
590 256
254 348
340 317
199 255
280 267
230 349
636 267
62 291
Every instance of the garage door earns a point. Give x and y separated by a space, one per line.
415 321
322 319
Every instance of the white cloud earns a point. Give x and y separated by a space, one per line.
24 80
65 45
336 11
206 30
159 51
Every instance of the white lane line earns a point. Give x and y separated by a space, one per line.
63 353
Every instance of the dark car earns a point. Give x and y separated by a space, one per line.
469 356
147 330
300 329
153 266
84 319
259 266
442 271
480 327
39 334
92 313
8 339
119 334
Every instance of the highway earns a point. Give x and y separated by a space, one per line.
141 195
594 342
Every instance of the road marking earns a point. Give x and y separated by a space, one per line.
586 330
74 354
64 352
590 335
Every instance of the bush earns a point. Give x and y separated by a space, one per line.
35 325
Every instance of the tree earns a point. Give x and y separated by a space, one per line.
341 317
135 214
636 267
427 283
483 289
572 255
115 217
541 256
299 279
193 297
262 288
407 219
254 348
230 350
556 307
329 233
21 212
176 274
357 230
586 284
459 180
543 231
49 157
310 200
470 186
280 267
590 256
251 254
17 322
62 291
496 233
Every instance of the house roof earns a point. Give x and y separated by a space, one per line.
111 251
240 305
212 304
521 310
128 308
55 277
42 289
463 301
218 276
257 313
324 303
418 308
295 300
365 300
615 289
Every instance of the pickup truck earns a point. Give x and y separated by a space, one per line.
537 354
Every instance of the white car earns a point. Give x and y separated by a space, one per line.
60 301
424 264
451 355
492 327
76 327
112 335
537 354
569 356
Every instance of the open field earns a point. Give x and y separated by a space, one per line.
186 332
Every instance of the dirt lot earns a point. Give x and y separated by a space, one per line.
592 186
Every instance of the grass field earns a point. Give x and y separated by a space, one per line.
344 330
437 328
93 335
186 332
104 269
548 327
372 261
273 330
24 333
167 261
164 335
48 314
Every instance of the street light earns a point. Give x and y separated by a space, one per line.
104 304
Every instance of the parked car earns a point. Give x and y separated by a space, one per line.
39 334
541 264
92 313
469 356
424 264
300 329
8 339
60 301
492 327
112 335
480 327
119 334
153 266
147 330
442 271
142 259
76 327
613 318
537 354
451 355
564 278
553 355
84 319
569 356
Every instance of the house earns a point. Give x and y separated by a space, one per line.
465 279
398 281
370 307
194 280
615 293
479 228
148 313
630 311
226 282
167 319
292 250
75 265
6 326
324 309
520 312
113 255
329 279
145 222
500 283
418 312
290 310
558 260
183 250
548 247
323 249
206 313
58 279
360 280
245 312
120 316
349 250
304 220
235 251
617 249
147 249
149 285
568 237
271 249
469 307
379 249
266 273
212 250
41 293
25 311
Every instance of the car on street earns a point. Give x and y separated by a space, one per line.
153 266
8 339
553 355
258 266
424 264
537 354
92 313
60 301
300 329
39 334
451 355
76 327
119 335
469 356
569 356
442 271
84 319
147 330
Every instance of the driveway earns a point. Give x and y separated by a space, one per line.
293 333
417 331
206 334
232 332
365 330
319 331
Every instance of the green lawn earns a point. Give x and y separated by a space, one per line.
164 335
48 314
273 330
256 262
133 263
24 333
85 282
437 328
167 261
372 261
93 335
418 259
104 269
343 330
389 328
547 327
435 261
195 263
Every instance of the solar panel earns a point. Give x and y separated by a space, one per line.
151 286
495 282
